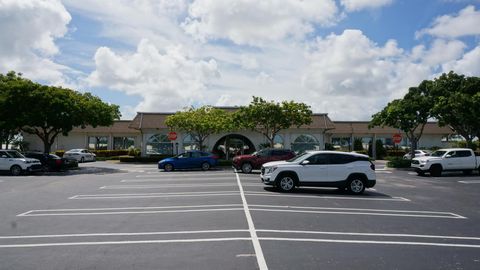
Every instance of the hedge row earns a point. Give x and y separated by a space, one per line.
150 159
100 153
398 162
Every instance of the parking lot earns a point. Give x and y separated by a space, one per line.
117 216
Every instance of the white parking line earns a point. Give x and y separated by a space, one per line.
126 242
368 242
132 210
118 234
173 180
176 175
355 211
375 234
262 264
155 195
340 197
166 186
470 182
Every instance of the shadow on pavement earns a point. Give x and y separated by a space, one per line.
329 191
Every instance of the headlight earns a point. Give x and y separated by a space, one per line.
423 161
270 169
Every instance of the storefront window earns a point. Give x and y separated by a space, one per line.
304 143
98 142
278 142
189 143
159 144
120 143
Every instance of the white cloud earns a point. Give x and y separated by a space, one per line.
443 51
29 29
466 23
166 81
255 22
357 5
351 77
468 64
249 62
130 21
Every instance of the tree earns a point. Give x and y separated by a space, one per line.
409 114
268 117
9 123
200 123
358 144
457 104
47 111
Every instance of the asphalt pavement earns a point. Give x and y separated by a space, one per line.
133 216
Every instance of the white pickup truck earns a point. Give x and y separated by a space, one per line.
450 159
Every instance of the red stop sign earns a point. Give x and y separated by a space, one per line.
172 136
397 138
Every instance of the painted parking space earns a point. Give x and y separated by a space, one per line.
236 217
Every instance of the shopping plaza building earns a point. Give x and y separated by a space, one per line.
148 132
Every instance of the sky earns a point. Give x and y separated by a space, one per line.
347 58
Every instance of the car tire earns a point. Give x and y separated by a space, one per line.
205 166
420 173
356 185
168 167
286 183
82 160
16 170
247 167
436 170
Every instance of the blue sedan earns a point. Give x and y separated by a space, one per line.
189 160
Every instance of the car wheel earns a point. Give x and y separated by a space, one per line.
82 160
205 166
420 173
436 170
356 186
16 170
286 183
168 167
247 167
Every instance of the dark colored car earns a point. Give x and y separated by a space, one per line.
52 162
189 160
247 163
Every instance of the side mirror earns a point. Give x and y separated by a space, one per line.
305 162
448 156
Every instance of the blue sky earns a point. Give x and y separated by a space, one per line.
347 58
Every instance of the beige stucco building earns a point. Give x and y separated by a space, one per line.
148 132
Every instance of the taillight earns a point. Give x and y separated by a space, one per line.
372 166
58 161
215 157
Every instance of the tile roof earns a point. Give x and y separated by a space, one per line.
358 127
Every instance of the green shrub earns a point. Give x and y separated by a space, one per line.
380 149
395 153
364 152
150 159
329 146
398 162
223 162
358 145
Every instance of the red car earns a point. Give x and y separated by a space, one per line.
247 163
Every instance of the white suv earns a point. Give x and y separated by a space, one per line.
350 171
16 163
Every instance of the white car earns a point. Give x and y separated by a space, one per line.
418 153
16 163
350 171
449 159
81 155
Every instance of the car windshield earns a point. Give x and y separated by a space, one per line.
438 153
297 158
15 154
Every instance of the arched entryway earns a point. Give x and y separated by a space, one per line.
232 145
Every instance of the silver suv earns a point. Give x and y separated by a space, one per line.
350 171
16 163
